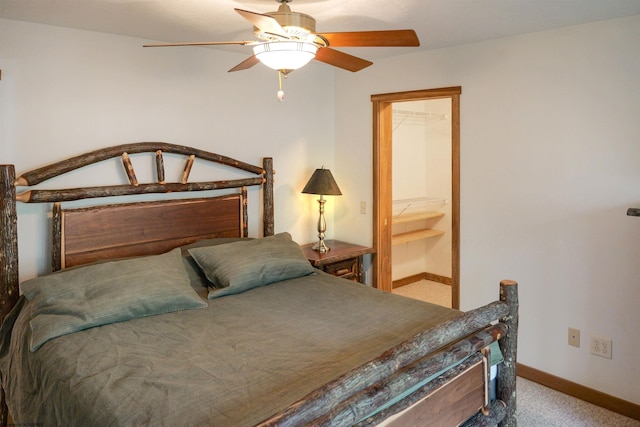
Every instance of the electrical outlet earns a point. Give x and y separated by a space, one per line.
601 347
574 337
363 207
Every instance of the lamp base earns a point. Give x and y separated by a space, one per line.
321 247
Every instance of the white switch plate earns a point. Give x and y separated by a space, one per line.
574 337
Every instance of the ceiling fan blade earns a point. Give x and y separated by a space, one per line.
341 59
246 64
372 38
244 43
265 23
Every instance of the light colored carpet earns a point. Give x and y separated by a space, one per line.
538 406
425 290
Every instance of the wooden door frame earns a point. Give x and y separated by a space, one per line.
382 183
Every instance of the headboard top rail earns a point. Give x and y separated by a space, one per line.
39 175
42 174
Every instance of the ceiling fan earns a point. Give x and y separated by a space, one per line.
287 41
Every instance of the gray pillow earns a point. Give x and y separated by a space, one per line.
237 267
99 294
198 280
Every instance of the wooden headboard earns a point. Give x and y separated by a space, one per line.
85 235
107 231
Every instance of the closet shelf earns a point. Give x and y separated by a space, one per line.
416 216
415 235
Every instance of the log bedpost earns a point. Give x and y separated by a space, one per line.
8 256
8 240
267 197
509 347
56 237
245 212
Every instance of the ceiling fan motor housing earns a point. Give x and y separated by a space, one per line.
298 25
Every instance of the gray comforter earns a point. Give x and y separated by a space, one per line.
235 363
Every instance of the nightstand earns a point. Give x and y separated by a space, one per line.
343 260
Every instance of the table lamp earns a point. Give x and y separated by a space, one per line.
322 183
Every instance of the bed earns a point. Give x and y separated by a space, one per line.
165 312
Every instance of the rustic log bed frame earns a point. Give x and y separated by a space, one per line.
344 401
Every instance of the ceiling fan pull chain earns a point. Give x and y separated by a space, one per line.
280 92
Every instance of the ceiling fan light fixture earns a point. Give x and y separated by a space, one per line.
285 55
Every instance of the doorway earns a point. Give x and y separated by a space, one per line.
384 212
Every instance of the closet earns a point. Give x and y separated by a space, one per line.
416 188
421 192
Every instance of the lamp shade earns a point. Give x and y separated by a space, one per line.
322 182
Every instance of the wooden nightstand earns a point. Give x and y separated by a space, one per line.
343 260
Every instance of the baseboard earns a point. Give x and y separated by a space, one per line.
620 406
439 279
422 276
407 280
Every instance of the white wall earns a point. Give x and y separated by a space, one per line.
64 92
550 161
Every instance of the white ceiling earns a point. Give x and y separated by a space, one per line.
439 23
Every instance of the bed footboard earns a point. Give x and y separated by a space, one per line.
350 399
